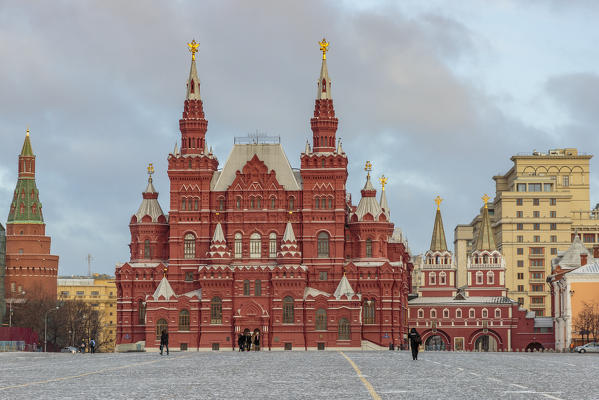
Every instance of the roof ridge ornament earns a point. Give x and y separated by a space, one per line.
324 47
485 198
438 200
193 48
368 168
383 179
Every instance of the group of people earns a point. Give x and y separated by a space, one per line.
92 346
249 342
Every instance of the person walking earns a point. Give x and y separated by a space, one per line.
241 342
82 346
92 346
164 342
415 341
248 341
257 341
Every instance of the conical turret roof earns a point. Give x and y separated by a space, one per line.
344 289
438 242
164 289
27 151
193 83
384 203
149 205
485 239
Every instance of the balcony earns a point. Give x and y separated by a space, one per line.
537 268
538 280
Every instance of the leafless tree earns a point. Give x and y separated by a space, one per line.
587 321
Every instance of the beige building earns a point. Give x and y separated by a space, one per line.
100 293
539 204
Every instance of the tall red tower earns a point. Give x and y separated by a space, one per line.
30 268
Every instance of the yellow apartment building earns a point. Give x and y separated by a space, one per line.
539 204
100 292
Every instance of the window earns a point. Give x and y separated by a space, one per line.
536 214
536 227
368 247
255 245
520 275
553 214
565 180
189 277
547 187
553 226
141 312
272 245
536 288
471 313
519 214
537 300
79 293
321 319
195 205
288 310
238 245
520 239
537 262
479 278
518 202
221 204
344 331
537 275
252 203
421 313
553 251
64 294
537 251
534 187
184 320
553 238
539 313
520 288
536 239
446 313
485 313
246 287
432 278
433 313
257 287
183 205
520 251
588 238
535 202
258 203
368 310
94 293
147 248
161 326
442 278
216 311
323 275
497 313
330 203
521 187
490 278
519 226
189 246
520 301
238 203
552 202
316 202
458 313
272 202
323 244
291 201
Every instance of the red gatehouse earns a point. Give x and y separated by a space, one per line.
260 246
478 316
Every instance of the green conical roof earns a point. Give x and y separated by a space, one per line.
438 242
25 207
27 150
485 239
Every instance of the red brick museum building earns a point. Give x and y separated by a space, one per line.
260 246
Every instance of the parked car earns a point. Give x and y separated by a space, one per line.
69 349
592 347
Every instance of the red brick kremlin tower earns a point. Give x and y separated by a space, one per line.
31 270
261 247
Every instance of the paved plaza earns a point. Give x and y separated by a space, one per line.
299 375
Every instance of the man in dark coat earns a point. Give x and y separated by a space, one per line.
415 341
241 342
248 342
164 341
257 341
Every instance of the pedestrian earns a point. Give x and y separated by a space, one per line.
82 346
248 341
257 341
241 342
164 341
415 341
92 346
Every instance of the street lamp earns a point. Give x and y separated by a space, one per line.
46 326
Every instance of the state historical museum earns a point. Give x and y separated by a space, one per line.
259 246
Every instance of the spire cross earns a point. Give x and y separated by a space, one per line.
368 167
485 199
150 169
193 48
27 131
383 179
438 200
324 48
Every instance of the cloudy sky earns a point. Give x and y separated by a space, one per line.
437 94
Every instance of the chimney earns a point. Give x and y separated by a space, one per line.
596 251
583 259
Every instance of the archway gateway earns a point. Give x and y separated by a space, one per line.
485 343
434 343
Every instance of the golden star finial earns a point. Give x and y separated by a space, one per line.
368 167
383 179
150 169
324 48
193 48
27 131
485 199
438 200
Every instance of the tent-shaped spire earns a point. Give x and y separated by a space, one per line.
164 289
218 236
218 246
149 205
289 251
193 82
27 151
289 235
368 203
438 242
344 289
384 204
324 82
485 239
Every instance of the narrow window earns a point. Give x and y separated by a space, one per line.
291 201
368 247
479 278
490 278
238 203
288 310
221 204
259 203
189 246
485 313
195 205
323 245
246 287
238 245
458 313
442 278
183 204
216 311
147 249
369 312
316 202
184 320
272 245
258 287
321 319
344 332
272 202
255 245
330 203
141 312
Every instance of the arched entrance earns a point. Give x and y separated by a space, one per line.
434 343
251 321
534 346
485 343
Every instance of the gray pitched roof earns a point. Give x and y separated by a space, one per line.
571 257
149 206
592 268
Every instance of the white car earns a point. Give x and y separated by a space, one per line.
69 349
592 347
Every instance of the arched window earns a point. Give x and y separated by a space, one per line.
369 312
433 313
344 332
288 310
141 312
323 245
161 325
147 249
497 313
479 278
184 320
446 313
257 287
432 278
490 277
255 245
368 247
485 313
259 203
189 246
291 203
216 311
485 259
471 313
316 202
252 203
330 203
183 204
238 203
195 205
246 288
272 202
238 245
458 313
442 278
321 319
272 245
221 204
421 313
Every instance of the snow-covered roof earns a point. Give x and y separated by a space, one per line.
308 291
467 300
571 257
149 204
592 268
271 154
164 289
197 292
344 289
